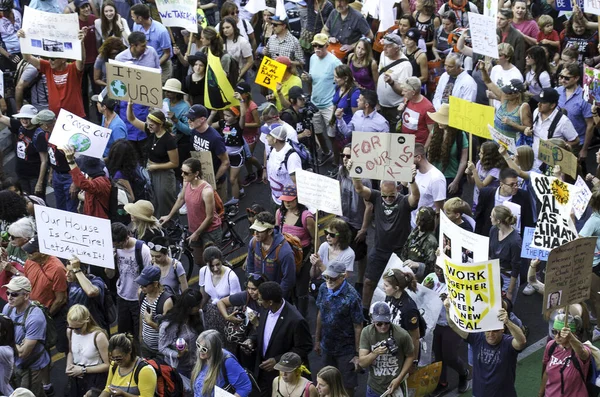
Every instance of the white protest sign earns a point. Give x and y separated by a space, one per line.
483 35
490 9
222 393
318 191
554 226
592 6
382 156
2 85
87 138
582 199
179 13
66 234
51 35
460 245
501 139
255 6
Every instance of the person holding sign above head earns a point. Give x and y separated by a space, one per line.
510 36
494 354
110 119
63 79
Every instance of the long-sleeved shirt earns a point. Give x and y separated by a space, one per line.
97 193
373 122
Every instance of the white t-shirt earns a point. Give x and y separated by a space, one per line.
229 284
564 129
239 50
244 26
399 73
534 87
432 186
129 270
279 173
347 256
502 77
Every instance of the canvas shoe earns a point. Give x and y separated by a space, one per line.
529 290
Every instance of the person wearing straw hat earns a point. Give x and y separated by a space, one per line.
145 225
290 379
178 109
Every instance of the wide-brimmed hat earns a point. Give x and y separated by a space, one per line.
442 115
142 210
26 112
289 362
198 56
173 85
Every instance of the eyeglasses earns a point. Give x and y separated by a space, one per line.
318 45
514 184
346 156
327 278
13 294
562 76
381 324
331 234
157 247
11 237
185 172
202 348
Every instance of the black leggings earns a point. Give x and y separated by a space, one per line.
446 348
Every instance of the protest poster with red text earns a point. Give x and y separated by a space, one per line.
382 156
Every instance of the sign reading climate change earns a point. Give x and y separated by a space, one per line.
66 234
554 226
179 13
51 35
140 84
87 138
475 294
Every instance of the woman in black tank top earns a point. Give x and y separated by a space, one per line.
416 56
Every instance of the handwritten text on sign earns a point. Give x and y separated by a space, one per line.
140 84
483 34
471 117
554 155
87 138
592 6
66 234
270 73
179 13
382 156
475 293
208 171
527 251
318 191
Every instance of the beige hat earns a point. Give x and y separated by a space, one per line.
261 226
442 116
173 85
141 209
22 392
19 283
320 39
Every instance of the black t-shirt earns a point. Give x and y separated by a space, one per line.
232 134
466 225
210 141
29 145
195 89
392 222
405 312
57 159
158 149
242 299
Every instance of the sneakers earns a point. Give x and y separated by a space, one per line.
596 335
234 209
440 390
183 210
326 157
242 193
529 290
464 383
250 179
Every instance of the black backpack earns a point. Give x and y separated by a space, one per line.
142 188
119 196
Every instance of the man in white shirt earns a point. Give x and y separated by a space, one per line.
455 81
545 126
282 162
431 182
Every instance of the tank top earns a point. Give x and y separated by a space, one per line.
362 76
413 61
196 210
299 229
513 116
426 28
84 349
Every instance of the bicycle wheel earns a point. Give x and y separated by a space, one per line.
187 260
235 248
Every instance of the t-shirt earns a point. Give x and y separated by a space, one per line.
346 256
17 258
573 383
210 141
405 312
233 135
415 119
227 285
386 367
128 271
432 186
507 250
279 173
592 228
144 387
171 280
64 88
242 299
503 77
392 222
494 367
286 85
119 131
453 161
91 49
57 159
321 72
483 173
95 305
239 50
33 329
8 30
528 27
159 148
30 143
347 102
534 87
46 279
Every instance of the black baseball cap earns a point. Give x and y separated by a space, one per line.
296 92
548 95
243 88
196 112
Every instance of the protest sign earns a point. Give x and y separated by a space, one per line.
66 234
582 199
270 72
87 138
2 85
591 84
382 156
51 35
208 170
483 34
471 117
591 6
569 273
222 392
179 13
554 155
460 245
424 380
475 294
554 226
139 83
501 139
318 191
529 252
490 9
563 5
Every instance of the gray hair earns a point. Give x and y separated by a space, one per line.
24 227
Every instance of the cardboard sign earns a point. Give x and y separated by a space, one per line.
382 156
475 294
51 35
569 274
471 117
592 6
87 138
554 155
483 34
424 380
179 13
501 139
140 84
270 72
66 234
554 226
318 191
208 170
582 199
460 245
529 252
591 84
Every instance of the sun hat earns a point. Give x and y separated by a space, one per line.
26 112
261 226
173 85
142 210
442 115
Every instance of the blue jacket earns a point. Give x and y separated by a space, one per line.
278 265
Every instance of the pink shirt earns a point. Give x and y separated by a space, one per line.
530 28
573 383
196 209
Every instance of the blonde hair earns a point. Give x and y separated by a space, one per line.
141 226
525 157
81 314
545 20
504 215
457 205
212 340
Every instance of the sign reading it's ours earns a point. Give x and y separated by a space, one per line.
139 83
382 156
66 234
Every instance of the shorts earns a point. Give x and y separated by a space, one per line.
360 249
236 160
212 236
251 138
376 265
343 364
321 120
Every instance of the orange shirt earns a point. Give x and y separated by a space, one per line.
46 280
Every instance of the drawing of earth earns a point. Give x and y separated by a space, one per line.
80 142
118 88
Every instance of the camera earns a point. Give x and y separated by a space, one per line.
390 343
307 113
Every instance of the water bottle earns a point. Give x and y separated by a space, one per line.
180 344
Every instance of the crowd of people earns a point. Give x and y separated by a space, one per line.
139 327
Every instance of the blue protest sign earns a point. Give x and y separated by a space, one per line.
529 252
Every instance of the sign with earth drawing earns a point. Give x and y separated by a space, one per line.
139 83
86 137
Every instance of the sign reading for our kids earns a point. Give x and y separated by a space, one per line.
85 137
270 72
382 156
139 83
66 234
471 117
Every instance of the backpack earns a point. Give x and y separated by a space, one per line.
119 197
51 334
138 258
109 308
219 207
168 381
302 151
142 188
233 74
160 305
590 380
296 246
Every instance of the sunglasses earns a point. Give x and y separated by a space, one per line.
202 348
561 76
331 234
13 294
365 38
346 156
318 45
380 324
390 196
327 278
157 247
185 173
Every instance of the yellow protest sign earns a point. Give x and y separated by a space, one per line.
471 117
270 73
555 155
424 380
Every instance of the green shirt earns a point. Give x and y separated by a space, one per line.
453 162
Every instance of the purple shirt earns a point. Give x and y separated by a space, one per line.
270 326
529 28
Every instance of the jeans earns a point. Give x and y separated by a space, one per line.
61 184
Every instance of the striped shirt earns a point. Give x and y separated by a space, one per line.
149 334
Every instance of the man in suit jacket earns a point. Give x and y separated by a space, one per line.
281 329
490 197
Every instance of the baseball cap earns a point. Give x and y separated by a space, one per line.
289 362
243 88
26 112
278 133
79 3
380 311
335 269
32 246
285 60
289 193
196 112
103 99
548 95
44 116
320 39
18 283
413 34
149 275
513 87
296 92
392 38
277 20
